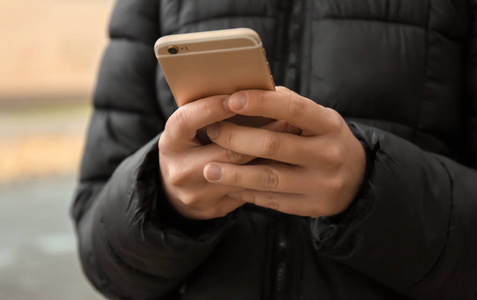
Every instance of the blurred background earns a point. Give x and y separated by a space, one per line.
49 56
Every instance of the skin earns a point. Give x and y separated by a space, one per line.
309 163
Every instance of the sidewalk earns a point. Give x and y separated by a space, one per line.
38 259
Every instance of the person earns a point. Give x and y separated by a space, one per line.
364 187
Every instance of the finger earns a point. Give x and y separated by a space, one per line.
282 89
283 147
219 208
204 193
276 178
220 154
188 186
282 126
284 105
295 204
185 121
216 153
189 167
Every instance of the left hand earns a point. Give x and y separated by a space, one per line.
315 173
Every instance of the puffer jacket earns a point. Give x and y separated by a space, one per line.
403 73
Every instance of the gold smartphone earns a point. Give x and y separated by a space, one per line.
221 62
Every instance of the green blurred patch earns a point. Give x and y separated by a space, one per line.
41 139
46 111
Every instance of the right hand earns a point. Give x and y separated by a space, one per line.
183 158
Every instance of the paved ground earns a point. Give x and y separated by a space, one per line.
37 246
40 149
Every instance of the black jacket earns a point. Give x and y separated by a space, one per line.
402 72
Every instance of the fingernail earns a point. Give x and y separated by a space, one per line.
213 131
213 172
238 101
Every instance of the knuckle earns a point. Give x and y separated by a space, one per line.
270 144
269 201
179 118
229 136
273 203
270 178
334 156
252 198
296 105
234 157
180 174
190 199
283 89
336 122
335 185
236 177
176 177
204 108
260 104
176 123
164 144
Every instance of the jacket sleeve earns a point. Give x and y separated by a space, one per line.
414 225
127 247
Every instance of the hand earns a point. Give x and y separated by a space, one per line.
315 173
182 159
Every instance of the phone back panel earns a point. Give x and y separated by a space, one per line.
214 66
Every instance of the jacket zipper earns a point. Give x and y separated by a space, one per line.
282 252
294 37
281 281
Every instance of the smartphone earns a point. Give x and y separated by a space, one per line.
222 62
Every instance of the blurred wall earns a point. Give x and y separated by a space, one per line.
51 47
50 52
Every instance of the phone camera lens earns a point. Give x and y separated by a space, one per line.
173 50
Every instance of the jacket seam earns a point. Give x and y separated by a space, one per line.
104 108
117 258
95 180
129 38
388 122
179 9
357 119
357 19
444 247
425 75
392 23
225 16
